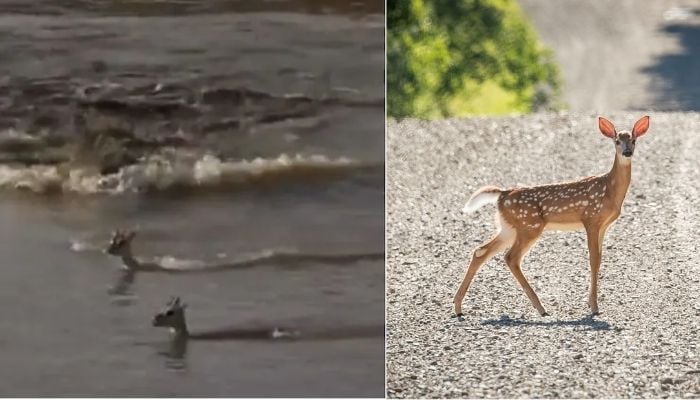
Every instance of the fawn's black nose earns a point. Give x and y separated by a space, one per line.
627 153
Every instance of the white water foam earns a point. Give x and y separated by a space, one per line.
168 170
174 263
83 246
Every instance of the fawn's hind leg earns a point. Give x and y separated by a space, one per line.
483 253
514 258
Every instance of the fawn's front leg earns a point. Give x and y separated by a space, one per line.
595 236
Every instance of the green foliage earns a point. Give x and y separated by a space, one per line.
465 57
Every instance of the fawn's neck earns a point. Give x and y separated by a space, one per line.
129 260
180 332
619 177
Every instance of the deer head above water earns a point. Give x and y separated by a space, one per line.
120 244
592 204
173 317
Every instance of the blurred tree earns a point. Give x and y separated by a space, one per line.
464 57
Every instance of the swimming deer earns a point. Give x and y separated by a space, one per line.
173 317
592 204
120 246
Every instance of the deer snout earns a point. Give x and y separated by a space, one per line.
627 153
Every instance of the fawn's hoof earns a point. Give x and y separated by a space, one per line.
544 314
594 308
458 316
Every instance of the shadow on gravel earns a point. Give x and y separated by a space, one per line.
680 84
587 323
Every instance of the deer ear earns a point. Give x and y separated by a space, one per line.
606 127
641 126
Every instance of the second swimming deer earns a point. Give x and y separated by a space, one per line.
173 317
592 204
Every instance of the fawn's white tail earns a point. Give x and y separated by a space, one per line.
483 196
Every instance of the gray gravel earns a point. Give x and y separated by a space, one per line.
645 342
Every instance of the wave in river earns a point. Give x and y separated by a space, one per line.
178 171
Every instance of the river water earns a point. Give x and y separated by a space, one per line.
219 131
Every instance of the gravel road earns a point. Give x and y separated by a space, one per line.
646 341
623 54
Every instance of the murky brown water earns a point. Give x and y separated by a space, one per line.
218 131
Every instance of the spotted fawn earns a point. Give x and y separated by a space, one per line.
522 214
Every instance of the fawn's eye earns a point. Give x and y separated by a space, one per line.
169 313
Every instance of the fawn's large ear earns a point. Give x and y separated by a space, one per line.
641 126
179 304
606 127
